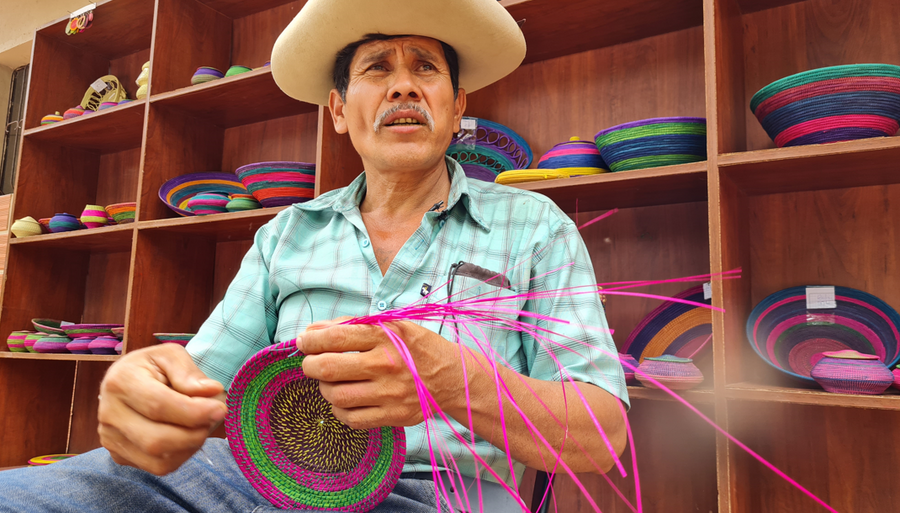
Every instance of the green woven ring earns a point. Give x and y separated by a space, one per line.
817 75
654 161
651 130
294 451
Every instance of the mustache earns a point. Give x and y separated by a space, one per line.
404 106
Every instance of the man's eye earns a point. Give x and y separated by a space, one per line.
427 67
378 67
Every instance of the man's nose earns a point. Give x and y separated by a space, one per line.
405 86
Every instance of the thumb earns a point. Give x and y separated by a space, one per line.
183 374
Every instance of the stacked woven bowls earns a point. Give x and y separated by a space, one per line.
791 338
177 192
652 143
674 328
492 149
567 159
839 103
275 184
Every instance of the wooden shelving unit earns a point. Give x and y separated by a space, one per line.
825 214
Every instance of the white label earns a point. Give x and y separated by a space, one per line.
99 85
469 123
79 12
707 291
820 298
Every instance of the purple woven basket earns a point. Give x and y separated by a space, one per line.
673 372
293 450
851 372
176 192
628 369
896 373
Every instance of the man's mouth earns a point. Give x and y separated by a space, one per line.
404 122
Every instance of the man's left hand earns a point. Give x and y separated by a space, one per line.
363 376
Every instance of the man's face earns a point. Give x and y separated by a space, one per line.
399 109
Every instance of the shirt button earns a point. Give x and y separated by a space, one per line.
365 243
382 306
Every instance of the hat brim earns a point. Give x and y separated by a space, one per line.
486 38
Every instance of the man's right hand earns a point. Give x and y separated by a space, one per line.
157 408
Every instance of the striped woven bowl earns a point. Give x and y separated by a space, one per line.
80 345
789 337
493 149
50 326
208 203
573 154
205 74
671 371
31 339
275 184
534 175
838 103
293 450
673 328
653 142
94 216
181 339
625 358
851 372
104 345
176 192
122 213
89 330
51 344
16 341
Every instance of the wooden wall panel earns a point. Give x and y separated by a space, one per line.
106 289
117 178
254 35
83 434
291 138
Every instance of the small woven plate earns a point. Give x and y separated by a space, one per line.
89 330
181 339
176 192
294 451
49 326
534 175
49 458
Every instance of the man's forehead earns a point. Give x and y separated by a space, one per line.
416 44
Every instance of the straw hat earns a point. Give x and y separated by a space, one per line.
484 35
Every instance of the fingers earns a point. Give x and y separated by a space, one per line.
339 338
125 452
336 367
182 373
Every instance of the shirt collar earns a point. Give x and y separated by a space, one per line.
352 195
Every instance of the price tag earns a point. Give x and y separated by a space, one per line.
469 124
820 298
99 85
707 291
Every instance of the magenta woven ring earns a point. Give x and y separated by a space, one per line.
293 450
886 126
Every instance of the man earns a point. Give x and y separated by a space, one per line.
364 249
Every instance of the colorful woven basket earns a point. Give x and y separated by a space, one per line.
25 227
94 216
896 373
275 184
673 372
207 203
49 119
788 337
176 192
89 330
535 175
181 339
673 328
119 332
16 341
51 344
573 153
628 369
850 372
205 74
838 103
104 345
118 348
294 451
74 112
30 340
237 70
652 143
495 149
49 458
122 213
80 345
50 326
242 202
64 223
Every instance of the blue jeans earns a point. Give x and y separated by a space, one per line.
93 482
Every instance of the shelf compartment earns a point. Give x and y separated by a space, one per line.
108 131
550 101
548 26
747 391
236 34
815 167
55 282
838 454
842 237
178 144
63 67
233 101
66 357
683 183
109 239
667 435
180 276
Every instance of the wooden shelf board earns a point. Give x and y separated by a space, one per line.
223 227
109 239
548 26
60 356
232 101
683 183
240 8
120 28
761 5
756 392
697 395
814 167
107 131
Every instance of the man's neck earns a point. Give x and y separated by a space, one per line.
405 195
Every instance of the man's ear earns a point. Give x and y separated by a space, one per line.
336 106
459 108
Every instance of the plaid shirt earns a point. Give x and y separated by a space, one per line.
314 262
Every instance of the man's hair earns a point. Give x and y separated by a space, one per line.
344 58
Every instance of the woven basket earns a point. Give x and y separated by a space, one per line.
628 369
64 223
535 175
94 216
16 341
205 74
242 202
838 103
788 337
181 339
896 373
49 458
104 345
573 153
673 328
51 344
496 149
25 227
176 192
850 372
80 345
673 372
652 143
275 184
207 203
122 213
294 451
89 330
49 326
31 339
